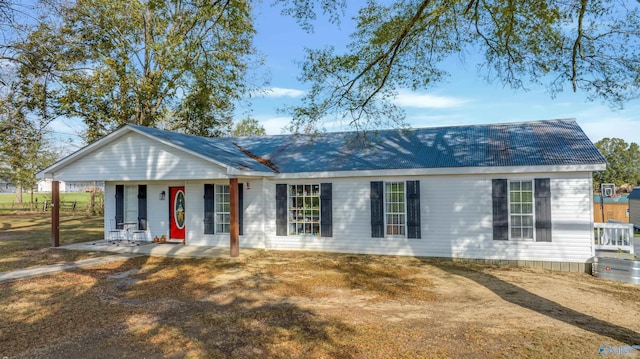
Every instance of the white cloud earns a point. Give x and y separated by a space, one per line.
407 98
274 125
283 92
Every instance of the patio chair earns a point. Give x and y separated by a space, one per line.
138 234
115 234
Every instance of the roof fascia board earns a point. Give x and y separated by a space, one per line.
443 171
234 172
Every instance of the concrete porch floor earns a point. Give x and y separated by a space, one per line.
177 250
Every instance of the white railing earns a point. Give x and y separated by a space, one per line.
614 237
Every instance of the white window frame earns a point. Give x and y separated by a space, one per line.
130 210
532 215
222 208
402 226
303 204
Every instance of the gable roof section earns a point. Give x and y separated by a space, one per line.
221 150
541 143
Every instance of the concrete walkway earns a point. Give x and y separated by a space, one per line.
124 251
176 250
54 268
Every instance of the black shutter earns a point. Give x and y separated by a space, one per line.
142 207
413 209
209 209
281 210
500 201
240 208
377 209
543 209
326 210
119 206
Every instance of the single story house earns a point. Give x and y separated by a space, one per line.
634 207
611 208
501 192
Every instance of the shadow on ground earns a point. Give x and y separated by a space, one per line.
523 298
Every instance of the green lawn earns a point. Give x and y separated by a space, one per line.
82 200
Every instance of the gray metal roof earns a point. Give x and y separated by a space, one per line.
541 143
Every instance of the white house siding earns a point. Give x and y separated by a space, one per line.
456 215
158 212
134 157
252 236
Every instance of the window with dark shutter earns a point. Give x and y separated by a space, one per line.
377 209
119 206
326 210
209 209
413 209
500 203
142 207
281 209
542 196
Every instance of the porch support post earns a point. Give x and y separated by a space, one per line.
55 213
233 218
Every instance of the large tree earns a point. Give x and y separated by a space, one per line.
180 63
249 127
591 46
24 148
623 163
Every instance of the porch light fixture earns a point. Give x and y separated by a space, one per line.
162 195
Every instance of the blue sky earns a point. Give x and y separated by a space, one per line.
465 98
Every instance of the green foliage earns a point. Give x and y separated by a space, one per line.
587 45
248 127
24 149
147 62
623 163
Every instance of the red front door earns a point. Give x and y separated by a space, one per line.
176 213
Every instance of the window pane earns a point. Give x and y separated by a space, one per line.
304 214
521 207
394 208
516 221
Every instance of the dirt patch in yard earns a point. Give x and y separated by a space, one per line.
312 305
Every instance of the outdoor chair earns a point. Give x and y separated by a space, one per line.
115 234
139 234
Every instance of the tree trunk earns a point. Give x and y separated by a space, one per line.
18 193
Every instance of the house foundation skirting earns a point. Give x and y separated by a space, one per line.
554 266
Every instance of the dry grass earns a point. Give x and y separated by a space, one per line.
25 239
314 305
